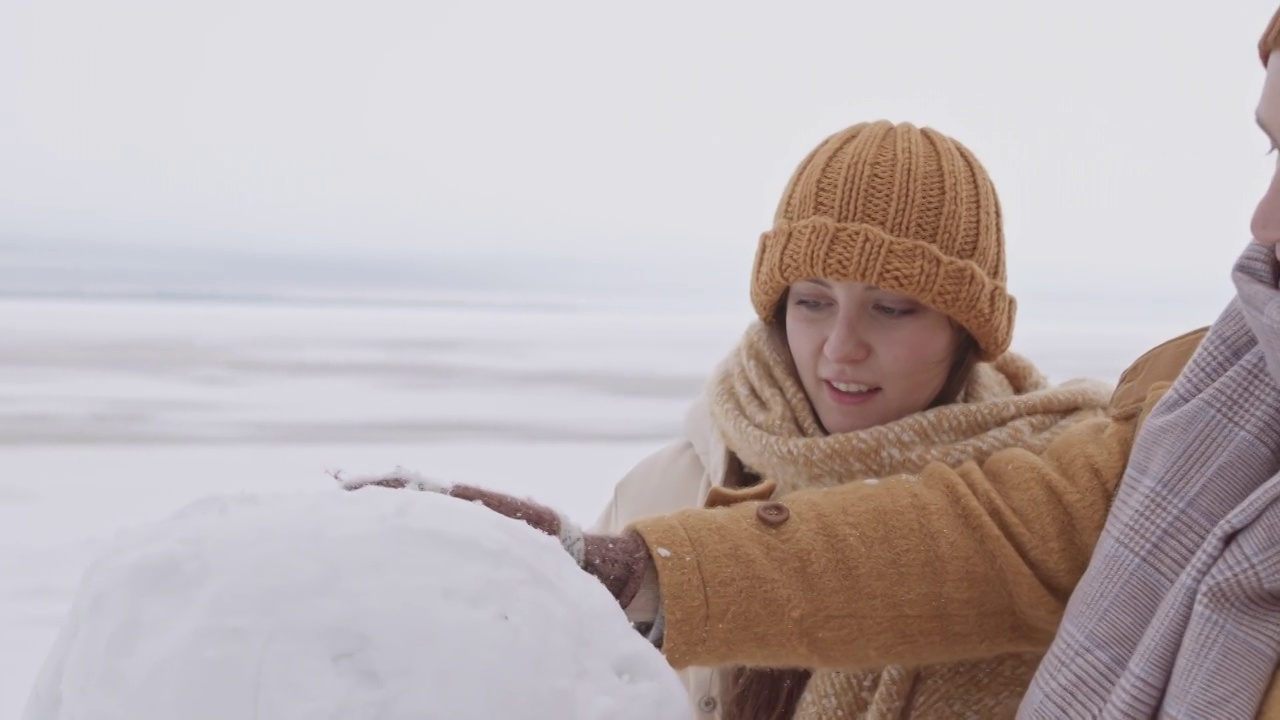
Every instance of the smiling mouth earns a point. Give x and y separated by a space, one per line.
852 388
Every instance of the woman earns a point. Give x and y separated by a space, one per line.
879 289
881 347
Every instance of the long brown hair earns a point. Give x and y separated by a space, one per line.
774 693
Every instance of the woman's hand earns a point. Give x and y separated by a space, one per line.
620 562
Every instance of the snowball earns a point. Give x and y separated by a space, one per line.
378 604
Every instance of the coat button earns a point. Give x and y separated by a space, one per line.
707 704
773 514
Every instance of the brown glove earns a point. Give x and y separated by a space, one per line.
620 562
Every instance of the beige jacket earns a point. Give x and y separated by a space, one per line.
676 477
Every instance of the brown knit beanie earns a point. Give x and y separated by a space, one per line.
906 209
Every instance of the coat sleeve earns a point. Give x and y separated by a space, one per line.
946 565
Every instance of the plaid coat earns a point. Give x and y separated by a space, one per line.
1178 615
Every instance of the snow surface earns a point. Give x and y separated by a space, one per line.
377 604
115 413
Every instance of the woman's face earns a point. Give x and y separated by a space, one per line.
1266 219
866 356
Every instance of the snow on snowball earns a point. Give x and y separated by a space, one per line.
373 605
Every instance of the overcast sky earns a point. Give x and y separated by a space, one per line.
1119 134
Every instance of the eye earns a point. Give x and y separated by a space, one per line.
809 304
893 311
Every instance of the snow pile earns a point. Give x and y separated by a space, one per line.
378 604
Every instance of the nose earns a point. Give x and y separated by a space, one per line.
1266 218
847 342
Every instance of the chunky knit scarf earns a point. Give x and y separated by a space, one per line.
761 411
